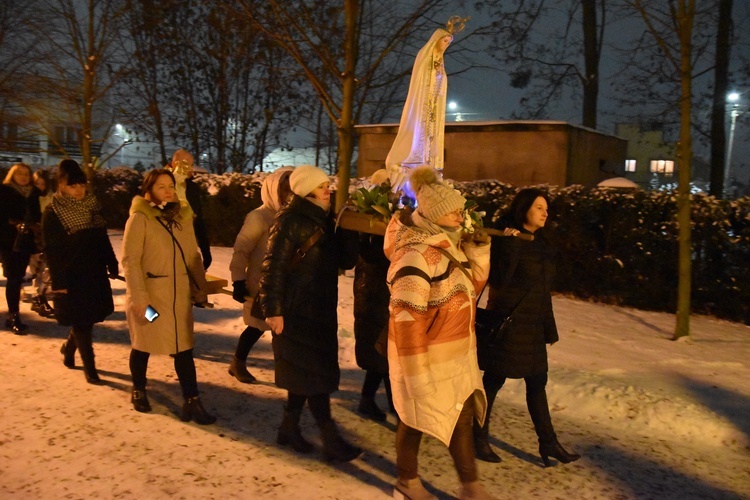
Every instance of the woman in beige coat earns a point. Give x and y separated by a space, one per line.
163 270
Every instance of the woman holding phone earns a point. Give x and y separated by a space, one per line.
165 277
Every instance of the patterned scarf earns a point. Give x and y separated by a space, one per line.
76 215
25 191
169 212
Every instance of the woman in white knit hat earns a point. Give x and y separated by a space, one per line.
298 297
432 357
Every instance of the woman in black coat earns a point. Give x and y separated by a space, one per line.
19 211
299 298
371 314
80 258
521 283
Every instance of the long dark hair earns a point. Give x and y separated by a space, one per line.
150 179
522 203
44 175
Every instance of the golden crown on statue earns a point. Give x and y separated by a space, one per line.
456 24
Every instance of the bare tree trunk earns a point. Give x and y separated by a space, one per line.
89 74
718 111
686 13
591 50
346 123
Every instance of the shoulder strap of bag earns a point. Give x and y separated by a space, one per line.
306 246
455 262
182 253
462 268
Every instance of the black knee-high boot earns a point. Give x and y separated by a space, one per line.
82 334
482 449
335 447
367 405
290 432
549 446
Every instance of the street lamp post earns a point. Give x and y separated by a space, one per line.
732 98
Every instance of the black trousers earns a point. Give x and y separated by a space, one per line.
536 402
184 366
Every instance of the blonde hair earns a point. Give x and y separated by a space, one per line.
9 177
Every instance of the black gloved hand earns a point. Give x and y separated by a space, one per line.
239 291
207 259
113 269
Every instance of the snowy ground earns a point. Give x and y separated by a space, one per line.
653 418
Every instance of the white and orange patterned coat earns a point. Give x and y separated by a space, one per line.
432 354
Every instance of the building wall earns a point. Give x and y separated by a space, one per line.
516 152
644 146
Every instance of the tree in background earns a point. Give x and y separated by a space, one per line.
346 50
553 48
201 79
721 86
671 27
79 61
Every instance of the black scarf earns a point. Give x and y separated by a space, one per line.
169 212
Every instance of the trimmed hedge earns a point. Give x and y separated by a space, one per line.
617 246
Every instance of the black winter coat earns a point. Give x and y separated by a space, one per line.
306 352
371 297
79 263
193 195
521 272
14 208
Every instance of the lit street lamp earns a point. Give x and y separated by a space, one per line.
731 98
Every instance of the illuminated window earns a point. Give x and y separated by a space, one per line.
662 166
630 165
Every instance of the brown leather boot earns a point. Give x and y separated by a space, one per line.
411 489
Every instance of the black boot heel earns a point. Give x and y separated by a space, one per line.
556 451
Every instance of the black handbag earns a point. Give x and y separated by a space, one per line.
490 326
25 241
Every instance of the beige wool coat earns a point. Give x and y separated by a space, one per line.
155 274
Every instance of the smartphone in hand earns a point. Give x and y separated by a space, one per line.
151 314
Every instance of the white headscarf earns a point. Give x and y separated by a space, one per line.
269 191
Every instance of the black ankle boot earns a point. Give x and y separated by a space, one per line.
290 433
140 402
555 450
335 447
193 410
68 350
14 324
238 369
370 409
482 449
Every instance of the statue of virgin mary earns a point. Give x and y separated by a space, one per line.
421 131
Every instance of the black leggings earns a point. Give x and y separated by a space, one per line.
184 365
14 269
248 338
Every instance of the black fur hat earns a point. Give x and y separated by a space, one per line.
70 172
